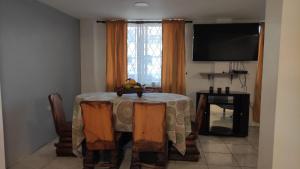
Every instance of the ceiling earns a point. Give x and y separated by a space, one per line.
159 9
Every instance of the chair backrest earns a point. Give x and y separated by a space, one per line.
98 123
149 124
56 103
199 113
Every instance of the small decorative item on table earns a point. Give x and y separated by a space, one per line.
131 86
211 89
227 90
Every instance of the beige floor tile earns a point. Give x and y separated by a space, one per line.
199 163
249 168
220 159
255 147
202 160
209 139
127 155
241 149
38 159
246 160
48 151
253 131
172 164
214 148
234 140
125 164
215 154
253 140
35 161
223 167
65 163
19 166
186 165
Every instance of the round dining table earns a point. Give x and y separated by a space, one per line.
180 112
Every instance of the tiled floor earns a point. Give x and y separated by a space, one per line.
216 153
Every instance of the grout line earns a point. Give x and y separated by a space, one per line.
236 161
202 153
229 149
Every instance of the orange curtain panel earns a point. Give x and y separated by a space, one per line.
116 54
258 83
173 59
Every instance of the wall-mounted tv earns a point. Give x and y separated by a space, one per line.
226 42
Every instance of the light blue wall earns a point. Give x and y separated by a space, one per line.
39 54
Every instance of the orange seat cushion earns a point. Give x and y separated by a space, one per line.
149 124
97 120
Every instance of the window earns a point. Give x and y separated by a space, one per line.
144 51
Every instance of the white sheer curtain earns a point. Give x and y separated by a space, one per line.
145 53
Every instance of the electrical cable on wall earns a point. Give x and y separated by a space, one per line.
244 81
239 66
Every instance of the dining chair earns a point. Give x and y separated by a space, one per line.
192 152
62 127
149 135
98 128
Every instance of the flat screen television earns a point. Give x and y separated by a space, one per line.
226 42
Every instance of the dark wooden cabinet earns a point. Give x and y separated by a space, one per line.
237 102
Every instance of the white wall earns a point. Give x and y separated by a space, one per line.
287 119
2 152
39 54
195 82
280 121
93 62
269 83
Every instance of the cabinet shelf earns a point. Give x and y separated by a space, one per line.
230 75
240 117
223 74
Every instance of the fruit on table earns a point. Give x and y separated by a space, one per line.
127 86
130 86
136 86
132 82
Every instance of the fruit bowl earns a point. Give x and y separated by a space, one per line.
131 86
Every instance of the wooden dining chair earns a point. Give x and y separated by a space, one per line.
149 135
192 152
98 128
62 127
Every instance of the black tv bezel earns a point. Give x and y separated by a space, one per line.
225 60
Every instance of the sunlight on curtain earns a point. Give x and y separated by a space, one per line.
116 54
144 52
258 83
173 62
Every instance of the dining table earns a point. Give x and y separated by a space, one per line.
180 112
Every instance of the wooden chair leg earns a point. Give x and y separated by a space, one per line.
163 157
162 160
88 161
114 159
135 161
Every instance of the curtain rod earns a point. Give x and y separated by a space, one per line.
141 22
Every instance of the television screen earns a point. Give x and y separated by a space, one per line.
226 42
